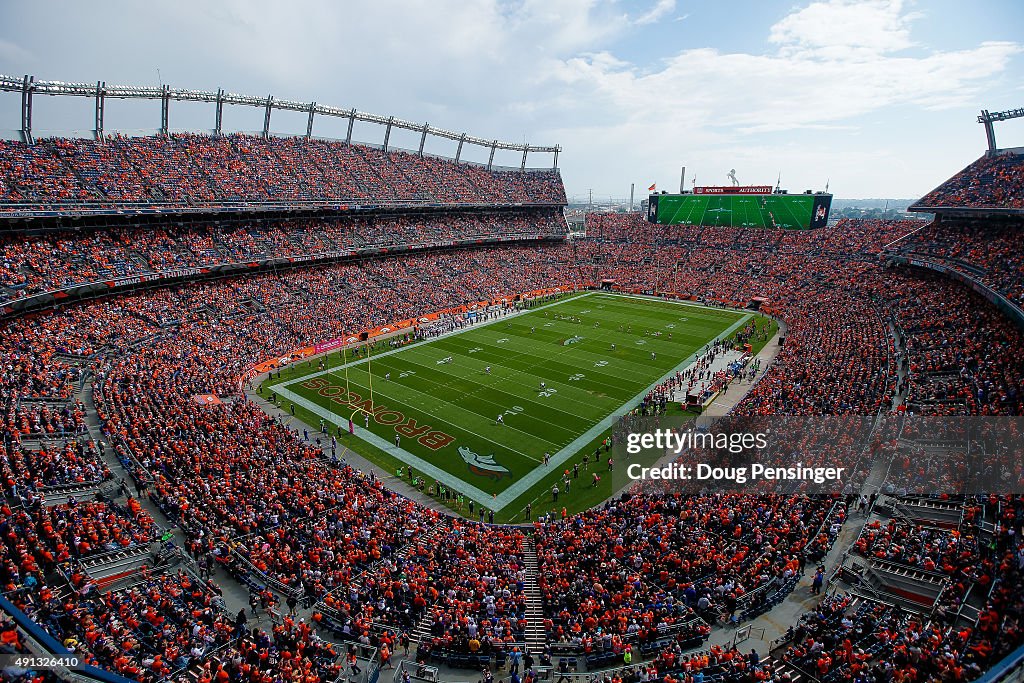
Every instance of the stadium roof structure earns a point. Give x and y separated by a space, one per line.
28 86
927 204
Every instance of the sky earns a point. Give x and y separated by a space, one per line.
876 98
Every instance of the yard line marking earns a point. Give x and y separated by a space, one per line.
520 486
540 406
453 333
389 399
553 357
497 380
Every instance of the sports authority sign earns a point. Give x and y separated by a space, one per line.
738 189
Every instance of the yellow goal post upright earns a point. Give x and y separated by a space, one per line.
369 375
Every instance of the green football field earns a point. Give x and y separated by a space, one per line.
754 211
551 373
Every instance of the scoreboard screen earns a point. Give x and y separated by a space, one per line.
789 211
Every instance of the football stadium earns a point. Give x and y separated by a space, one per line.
318 409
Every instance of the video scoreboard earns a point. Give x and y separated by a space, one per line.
754 206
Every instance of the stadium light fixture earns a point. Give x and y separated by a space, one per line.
987 118
28 87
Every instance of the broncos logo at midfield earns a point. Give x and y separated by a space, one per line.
484 465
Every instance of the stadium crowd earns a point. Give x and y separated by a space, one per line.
52 464
474 575
174 627
34 263
981 249
38 538
636 569
847 638
960 350
993 181
247 490
192 169
261 498
367 524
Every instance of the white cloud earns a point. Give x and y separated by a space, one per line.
838 28
661 9
833 64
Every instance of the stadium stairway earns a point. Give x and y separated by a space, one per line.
421 631
783 669
913 589
927 512
899 360
535 635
